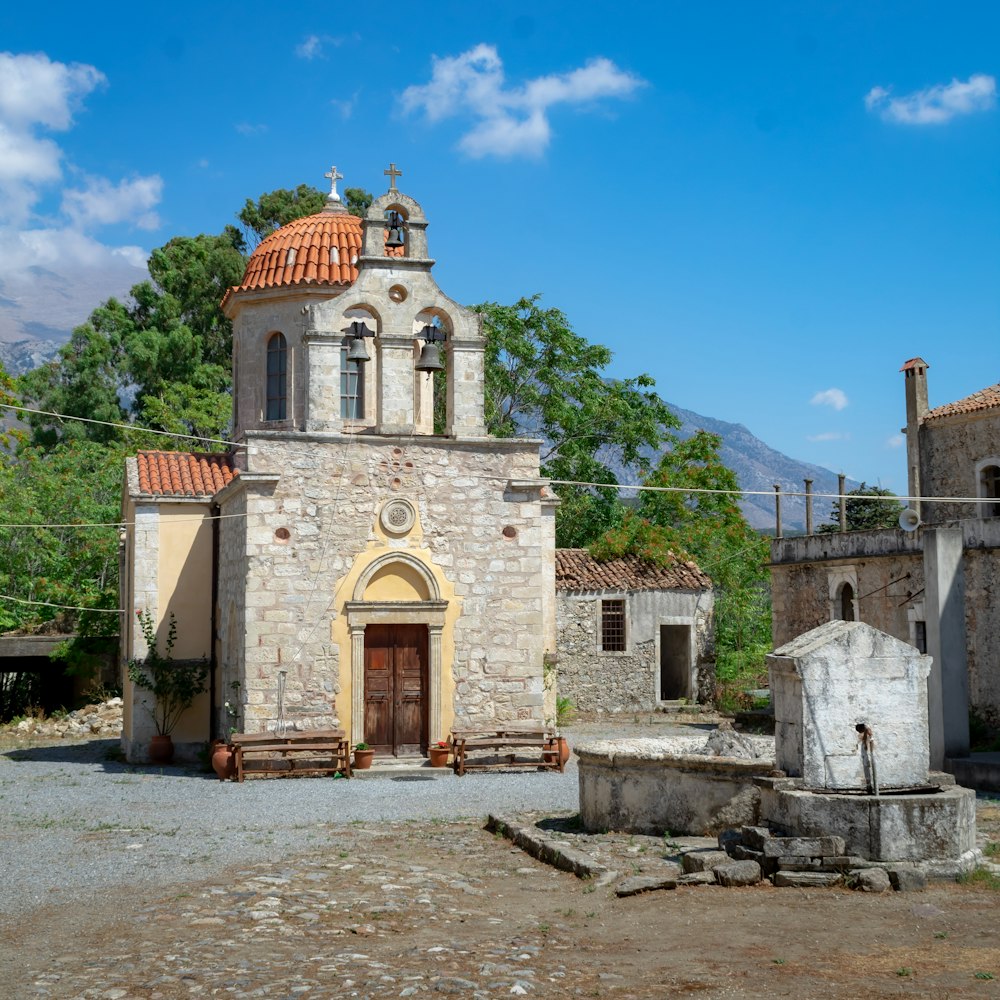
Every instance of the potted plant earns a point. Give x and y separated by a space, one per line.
363 754
174 684
438 753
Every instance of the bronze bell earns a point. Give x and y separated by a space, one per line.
430 359
395 237
357 351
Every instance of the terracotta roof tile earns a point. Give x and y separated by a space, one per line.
985 399
577 569
183 474
312 238
914 363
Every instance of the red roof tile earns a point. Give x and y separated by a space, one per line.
577 569
183 474
300 253
914 363
985 399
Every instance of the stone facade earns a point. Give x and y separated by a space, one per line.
668 650
364 568
906 583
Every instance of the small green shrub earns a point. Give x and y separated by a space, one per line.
565 710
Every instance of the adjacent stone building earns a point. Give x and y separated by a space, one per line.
632 635
937 586
348 563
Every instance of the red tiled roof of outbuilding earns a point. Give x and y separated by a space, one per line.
183 474
577 569
984 399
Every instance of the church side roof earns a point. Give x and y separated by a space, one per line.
182 474
984 399
577 569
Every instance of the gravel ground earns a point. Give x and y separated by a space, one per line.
77 821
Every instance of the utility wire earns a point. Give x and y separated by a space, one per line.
128 427
64 607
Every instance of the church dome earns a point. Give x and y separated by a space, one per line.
320 249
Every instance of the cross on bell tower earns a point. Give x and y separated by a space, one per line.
333 201
392 173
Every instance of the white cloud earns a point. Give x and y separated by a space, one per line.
312 46
245 128
52 272
935 105
895 441
836 398
103 203
36 91
509 120
345 106
829 436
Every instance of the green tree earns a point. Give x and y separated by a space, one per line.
358 200
544 380
275 209
694 515
867 508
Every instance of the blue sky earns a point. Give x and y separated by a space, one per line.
766 206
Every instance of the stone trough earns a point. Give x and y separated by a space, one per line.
652 786
850 760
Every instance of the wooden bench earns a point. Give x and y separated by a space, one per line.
512 743
318 751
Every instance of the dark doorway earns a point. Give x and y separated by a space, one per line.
396 688
675 661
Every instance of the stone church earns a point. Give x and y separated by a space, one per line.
348 562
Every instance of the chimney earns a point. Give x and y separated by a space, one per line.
915 373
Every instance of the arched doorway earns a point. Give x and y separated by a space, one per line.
396 621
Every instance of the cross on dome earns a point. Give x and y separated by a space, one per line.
392 173
333 177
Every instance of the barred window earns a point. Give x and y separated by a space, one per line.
277 367
352 388
989 489
613 626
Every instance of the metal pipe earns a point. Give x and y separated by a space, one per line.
841 483
777 510
809 507
866 740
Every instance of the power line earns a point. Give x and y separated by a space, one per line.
128 427
64 607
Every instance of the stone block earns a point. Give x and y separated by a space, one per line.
797 863
729 839
869 879
644 883
806 880
907 879
755 836
812 847
697 878
702 860
737 873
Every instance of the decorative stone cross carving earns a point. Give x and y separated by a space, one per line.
333 177
392 173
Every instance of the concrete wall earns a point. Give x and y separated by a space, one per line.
597 681
170 550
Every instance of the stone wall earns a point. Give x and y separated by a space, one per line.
313 502
596 681
950 449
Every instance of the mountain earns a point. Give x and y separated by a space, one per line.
759 467
21 356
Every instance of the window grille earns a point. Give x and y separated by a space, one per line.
277 382
613 626
990 483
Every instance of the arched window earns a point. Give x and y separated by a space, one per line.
989 489
277 380
847 603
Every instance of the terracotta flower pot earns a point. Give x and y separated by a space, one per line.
363 759
223 760
560 751
161 749
438 756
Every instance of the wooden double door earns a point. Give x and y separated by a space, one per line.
396 703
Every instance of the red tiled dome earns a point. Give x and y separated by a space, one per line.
300 253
